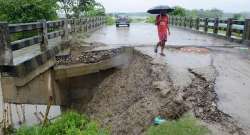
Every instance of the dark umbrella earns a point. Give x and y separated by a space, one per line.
160 9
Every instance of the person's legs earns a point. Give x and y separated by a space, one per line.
157 45
163 47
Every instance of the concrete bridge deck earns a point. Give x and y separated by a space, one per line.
146 34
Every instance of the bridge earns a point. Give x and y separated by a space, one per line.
25 62
31 70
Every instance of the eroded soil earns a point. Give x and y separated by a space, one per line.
129 99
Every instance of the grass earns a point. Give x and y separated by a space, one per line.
70 123
184 126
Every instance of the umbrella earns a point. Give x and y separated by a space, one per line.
160 9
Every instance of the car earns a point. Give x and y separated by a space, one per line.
122 21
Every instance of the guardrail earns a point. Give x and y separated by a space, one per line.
42 31
230 29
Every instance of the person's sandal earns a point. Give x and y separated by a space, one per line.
162 54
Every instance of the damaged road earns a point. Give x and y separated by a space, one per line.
127 100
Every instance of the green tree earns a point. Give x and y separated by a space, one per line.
77 8
16 11
238 16
213 13
179 11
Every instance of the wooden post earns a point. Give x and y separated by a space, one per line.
65 29
6 56
229 28
216 25
246 35
197 23
206 25
44 43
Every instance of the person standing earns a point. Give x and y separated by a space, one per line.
163 31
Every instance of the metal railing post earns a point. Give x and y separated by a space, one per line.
6 55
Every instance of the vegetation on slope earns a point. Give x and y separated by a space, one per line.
184 126
70 123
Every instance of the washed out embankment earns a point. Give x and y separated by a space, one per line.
126 99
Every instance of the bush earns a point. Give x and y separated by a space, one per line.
184 126
70 123
151 19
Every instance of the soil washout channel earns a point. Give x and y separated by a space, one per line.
127 100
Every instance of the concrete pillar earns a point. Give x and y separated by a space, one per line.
6 56
74 25
206 25
191 23
185 22
65 29
44 43
216 26
1 105
197 25
229 28
246 35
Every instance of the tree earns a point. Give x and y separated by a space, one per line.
16 11
179 11
77 8
238 16
213 13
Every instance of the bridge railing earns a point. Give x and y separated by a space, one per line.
39 33
230 29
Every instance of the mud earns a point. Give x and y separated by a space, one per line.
128 100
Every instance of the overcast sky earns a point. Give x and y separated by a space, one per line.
143 5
